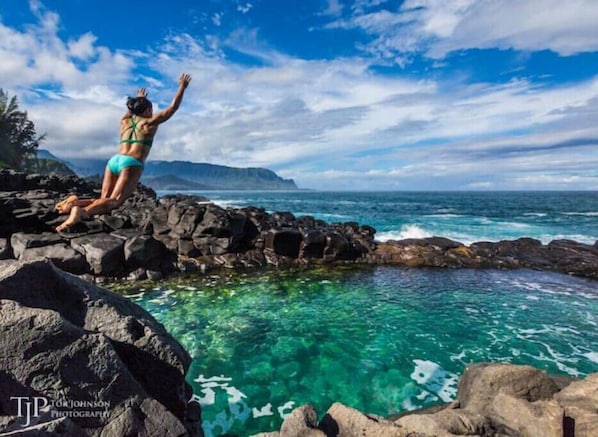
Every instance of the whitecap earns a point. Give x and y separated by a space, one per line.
580 238
592 356
231 203
557 359
406 231
235 395
458 357
208 398
285 410
156 300
212 384
202 378
444 215
435 379
515 225
266 410
333 216
585 214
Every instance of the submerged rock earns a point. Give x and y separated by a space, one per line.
493 400
91 360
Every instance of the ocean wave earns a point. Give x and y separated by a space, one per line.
415 231
585 214
592 356
586 239
446 215
553 289
333 216
406 231
231 203
516 225
535 214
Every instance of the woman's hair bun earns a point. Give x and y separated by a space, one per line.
138 105
130 103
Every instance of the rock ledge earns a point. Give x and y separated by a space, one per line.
151 238
91 360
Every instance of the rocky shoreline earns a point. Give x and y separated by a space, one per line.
150 237
76 359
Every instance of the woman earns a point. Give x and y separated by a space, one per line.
123 171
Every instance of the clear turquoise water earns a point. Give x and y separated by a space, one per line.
381 340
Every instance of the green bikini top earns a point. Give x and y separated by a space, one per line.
147 142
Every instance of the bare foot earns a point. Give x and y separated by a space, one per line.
77 214
67 204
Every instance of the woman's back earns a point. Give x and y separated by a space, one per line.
136 137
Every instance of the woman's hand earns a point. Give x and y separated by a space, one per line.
141 92
184 80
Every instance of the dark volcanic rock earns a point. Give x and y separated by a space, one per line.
104 253
191 233
65 341
284 242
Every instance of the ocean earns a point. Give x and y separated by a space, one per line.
381 339
462 216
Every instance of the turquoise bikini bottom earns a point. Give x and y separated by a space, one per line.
118 163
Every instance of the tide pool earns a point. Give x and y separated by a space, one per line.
382 339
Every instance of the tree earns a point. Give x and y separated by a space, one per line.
18 139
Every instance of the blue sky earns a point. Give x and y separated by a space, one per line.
363 94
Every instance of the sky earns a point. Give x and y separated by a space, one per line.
335 94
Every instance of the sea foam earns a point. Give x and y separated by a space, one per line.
435 379
406 231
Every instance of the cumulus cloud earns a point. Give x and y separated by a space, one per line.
82 48
438 27
325 123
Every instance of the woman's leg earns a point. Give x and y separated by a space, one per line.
67 204
108 183
64 207
125 186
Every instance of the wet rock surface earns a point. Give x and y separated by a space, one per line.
150 236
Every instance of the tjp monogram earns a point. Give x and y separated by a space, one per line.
29 407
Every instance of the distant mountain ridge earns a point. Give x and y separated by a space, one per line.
219 175
172 183
185 175
45 163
